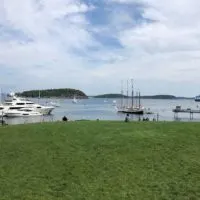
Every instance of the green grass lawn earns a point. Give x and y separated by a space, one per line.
100 161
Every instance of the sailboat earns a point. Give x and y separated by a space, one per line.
137 109
74 100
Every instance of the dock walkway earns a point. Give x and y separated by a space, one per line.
190 111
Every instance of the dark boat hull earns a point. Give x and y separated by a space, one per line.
133 112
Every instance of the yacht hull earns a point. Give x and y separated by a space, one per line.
45 110
22 114
134 111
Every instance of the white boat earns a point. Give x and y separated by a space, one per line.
44 110
54 104
114 103
16 103
22 112
74 100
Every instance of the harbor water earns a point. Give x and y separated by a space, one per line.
95 108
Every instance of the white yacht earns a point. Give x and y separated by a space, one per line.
22 112
16 103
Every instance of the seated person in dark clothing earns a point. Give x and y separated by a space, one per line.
127 118
65 119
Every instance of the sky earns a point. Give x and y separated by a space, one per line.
93 45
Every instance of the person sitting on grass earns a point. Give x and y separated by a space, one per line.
127 118
65 119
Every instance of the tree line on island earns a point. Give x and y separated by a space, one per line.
61 93
71 93
143 97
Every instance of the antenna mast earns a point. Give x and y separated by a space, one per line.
1 96
127 93
132 92
139 100
122 93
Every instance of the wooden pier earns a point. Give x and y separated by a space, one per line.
190 111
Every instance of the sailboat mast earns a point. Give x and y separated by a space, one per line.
127 93
132 93
139 100
1 96
122 94
39 96
136 100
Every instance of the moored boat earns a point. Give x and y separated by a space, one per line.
16 103
22 112
197 98
54 104
135 109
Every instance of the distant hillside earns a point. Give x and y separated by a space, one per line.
159 97
109 96
143 97
65 93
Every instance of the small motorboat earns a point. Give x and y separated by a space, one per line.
114 103
148 111
54 104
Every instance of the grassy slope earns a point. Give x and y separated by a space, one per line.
100 160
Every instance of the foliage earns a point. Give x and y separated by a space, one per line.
143 97
67 92
110 96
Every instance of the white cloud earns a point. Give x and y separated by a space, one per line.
55 28
166 50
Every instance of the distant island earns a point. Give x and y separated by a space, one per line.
61 93
142 97
110 96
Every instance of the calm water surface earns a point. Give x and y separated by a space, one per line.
92 109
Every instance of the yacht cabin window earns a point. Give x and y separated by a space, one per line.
8 103
15 108
20 104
